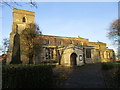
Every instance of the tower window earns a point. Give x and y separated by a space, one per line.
24 19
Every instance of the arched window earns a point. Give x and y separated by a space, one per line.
23 19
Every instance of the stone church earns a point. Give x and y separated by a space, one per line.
66 51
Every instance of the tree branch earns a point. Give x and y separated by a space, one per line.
13 3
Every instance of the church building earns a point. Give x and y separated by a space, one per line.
66 51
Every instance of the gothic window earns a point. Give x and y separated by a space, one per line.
23 19
47 53
88 53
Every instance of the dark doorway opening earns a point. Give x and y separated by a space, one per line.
73 59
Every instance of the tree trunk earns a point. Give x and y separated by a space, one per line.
31 59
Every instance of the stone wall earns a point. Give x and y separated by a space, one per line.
58 41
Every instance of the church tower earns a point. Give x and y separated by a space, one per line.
21 19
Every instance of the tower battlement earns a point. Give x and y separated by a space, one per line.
23 16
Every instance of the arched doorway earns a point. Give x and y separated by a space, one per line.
73 59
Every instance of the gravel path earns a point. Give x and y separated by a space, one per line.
87 76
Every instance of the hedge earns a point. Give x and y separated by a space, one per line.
27 76
117 77
107 66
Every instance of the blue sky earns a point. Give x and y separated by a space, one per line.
89 20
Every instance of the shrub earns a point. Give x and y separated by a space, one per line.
49 61
107 66
27 76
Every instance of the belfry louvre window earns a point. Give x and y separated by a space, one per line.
24 19
88 53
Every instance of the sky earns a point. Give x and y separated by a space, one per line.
90 20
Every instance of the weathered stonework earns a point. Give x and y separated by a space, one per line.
66 51
21 20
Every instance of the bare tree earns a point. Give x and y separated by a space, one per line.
29 36
114 34
5 45
13 3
